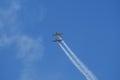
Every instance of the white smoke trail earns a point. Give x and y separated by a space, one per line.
87 72
81 69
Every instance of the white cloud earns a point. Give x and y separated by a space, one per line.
6 40
12 8
29 74
8 17
30 51
8 23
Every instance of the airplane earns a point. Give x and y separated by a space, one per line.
57 40
57 34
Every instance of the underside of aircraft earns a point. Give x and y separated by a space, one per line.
57 34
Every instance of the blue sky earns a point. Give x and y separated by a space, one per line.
91 29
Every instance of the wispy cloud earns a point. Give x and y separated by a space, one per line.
29 50
8 23
7 40
8 16
29 74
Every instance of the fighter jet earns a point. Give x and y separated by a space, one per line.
57 40
57 34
